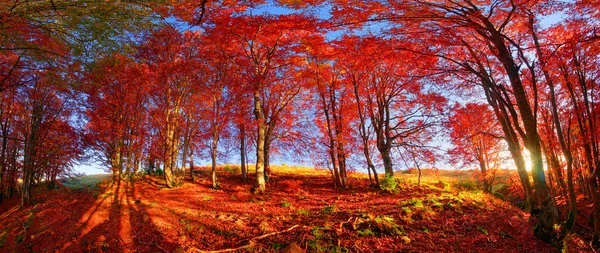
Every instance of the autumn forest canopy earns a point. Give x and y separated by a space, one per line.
151 87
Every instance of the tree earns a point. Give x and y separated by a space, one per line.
116 101
475 140
336 105
398 103
263 58
496 26
172 60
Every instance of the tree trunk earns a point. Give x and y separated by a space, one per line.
482 166
363 132
184 155
191 162
215 141
259 186
267 157
387 162
116 162
168 156
561 137
243 153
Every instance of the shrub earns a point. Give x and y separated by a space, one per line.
443 185
372 225
329 209
466 184
286 204
389 184
366 232
231 169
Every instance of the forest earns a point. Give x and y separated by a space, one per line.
410 126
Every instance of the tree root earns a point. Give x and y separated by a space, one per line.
250 243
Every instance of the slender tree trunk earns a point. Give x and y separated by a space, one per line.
259 186
363 131
558 126
191 162
243 153
337 182
215 141
482 166
184 155
168 157
342 164
267 157
545 210
3 151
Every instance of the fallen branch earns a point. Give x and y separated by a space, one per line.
342 224
313 198
251 242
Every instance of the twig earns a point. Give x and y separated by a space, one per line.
250 242
318 199
24 231
342 224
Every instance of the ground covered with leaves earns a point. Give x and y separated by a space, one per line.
299 208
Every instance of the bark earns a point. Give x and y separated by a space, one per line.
243 153
546 211
559 132
259 185
501 107
363 133
116 165
169 152
331 146
192 163
185 152
267 156
215 142
5 128
387 162
487 187
30 150
341 153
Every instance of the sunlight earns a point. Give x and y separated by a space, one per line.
527 159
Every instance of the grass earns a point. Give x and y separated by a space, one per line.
329 209
285 203
85 182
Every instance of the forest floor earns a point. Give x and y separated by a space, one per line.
300 207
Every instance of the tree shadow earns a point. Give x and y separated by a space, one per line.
146 237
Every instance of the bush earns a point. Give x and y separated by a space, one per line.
231 169
443 185
329 209
389 184
467 185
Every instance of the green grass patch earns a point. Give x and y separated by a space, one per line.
85 182
329 209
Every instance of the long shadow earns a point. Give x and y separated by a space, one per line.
145 235
54 224
104 236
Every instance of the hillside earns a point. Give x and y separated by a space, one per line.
441 215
